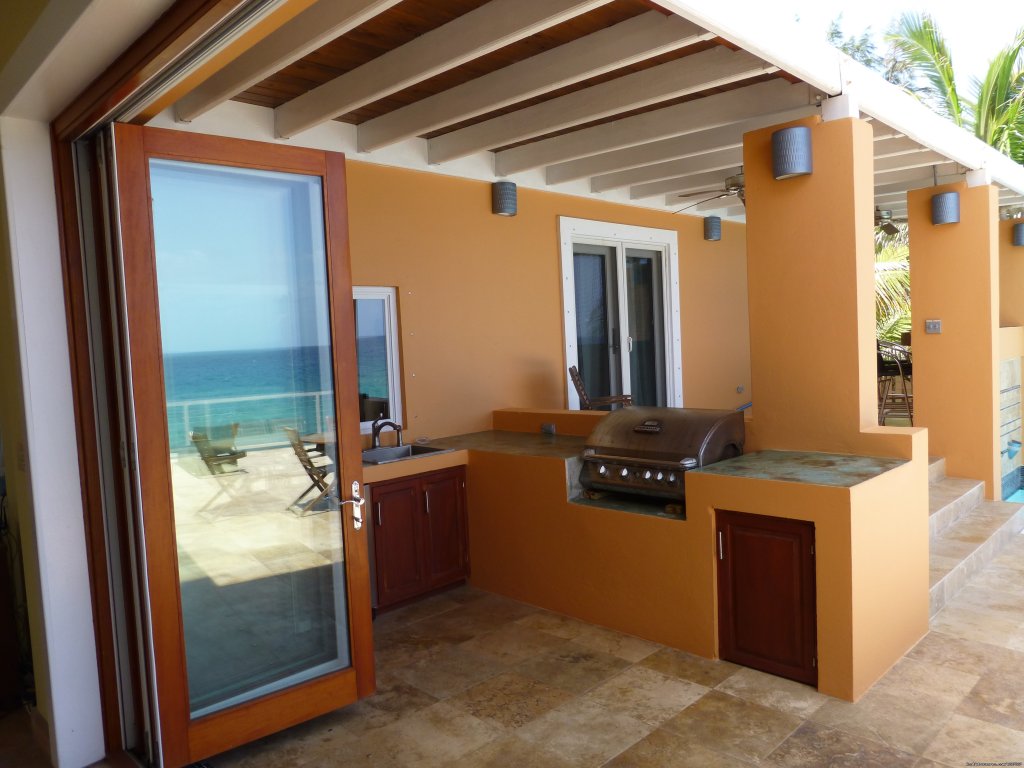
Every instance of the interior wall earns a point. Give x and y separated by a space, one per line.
40 415
480 295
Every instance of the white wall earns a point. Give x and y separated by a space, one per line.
53 536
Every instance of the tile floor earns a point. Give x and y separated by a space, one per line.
472 679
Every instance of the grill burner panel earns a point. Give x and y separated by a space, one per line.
647 451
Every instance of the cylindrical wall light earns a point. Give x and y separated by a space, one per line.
791 152
712 228
503 198
1018 234
946 208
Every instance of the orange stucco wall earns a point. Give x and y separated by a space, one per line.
480 298
954 277
1011 276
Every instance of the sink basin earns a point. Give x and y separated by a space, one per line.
391 453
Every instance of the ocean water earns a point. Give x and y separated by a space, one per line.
261 390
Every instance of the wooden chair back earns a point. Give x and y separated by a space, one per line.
588 403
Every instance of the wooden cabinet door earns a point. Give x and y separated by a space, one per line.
398 534
766 594
444 504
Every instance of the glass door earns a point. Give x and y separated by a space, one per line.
242 356
619 303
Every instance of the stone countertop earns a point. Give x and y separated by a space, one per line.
834 469
515 443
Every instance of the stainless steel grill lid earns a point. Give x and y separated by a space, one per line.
647 451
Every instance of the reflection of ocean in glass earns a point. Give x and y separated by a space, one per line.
261 390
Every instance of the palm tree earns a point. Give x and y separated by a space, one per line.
993 111
892 284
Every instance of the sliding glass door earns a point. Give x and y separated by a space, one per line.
242 352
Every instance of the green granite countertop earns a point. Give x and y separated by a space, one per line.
835 469
515 443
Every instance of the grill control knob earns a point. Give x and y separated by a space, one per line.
671 477
647 474
660 476
624 472
602 470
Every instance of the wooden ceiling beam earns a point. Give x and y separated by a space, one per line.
474 34
676 148
896 145
888 165
689 117
682 77
307 32
636 39
729 157
693 186
684 178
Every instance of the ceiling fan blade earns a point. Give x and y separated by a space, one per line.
708 191
699 202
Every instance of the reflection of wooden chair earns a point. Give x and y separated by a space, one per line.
217 448
588 403
895 387
317 470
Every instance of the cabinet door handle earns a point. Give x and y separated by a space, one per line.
380 520
426 498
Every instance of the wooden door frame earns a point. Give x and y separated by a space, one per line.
141 64
184 740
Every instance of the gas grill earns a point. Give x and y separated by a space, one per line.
647 451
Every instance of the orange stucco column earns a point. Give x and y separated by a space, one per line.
954 277
810 272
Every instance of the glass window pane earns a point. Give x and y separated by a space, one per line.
374 365
597 332
644 303
243 302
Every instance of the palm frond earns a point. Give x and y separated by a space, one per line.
920 48
999 106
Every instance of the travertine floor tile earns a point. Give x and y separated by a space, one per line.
555 624
814 746
911 679
585 733
646 695
734 726
663 748
572 667
627 647
696 669
958 653
999 695
510 700
767 690
906 724
450 671
512 751
964 740
513 643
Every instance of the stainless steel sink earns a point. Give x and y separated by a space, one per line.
391 453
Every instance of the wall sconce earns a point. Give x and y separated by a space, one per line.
503 198
791 152
713 228
1018 234
946 208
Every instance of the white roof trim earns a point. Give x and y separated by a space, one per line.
779 41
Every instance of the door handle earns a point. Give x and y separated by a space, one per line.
357 503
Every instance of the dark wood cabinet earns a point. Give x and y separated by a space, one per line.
766 594
419 534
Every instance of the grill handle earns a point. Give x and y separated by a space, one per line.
604 457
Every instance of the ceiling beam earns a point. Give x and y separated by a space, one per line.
680 183
731 157
896 145
921 180
887 165
682 77
676 148
689 117
474 34
641 37
701 184
310 30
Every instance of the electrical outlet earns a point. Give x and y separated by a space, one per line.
933 326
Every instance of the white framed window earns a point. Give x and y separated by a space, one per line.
620 293
380 387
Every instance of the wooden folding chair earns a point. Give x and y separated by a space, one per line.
588 403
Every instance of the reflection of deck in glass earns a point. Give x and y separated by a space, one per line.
261 588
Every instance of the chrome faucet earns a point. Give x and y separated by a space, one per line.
379 426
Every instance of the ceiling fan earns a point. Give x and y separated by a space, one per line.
883 220
734 187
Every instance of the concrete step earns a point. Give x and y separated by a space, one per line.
948 499
936 468
967 544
